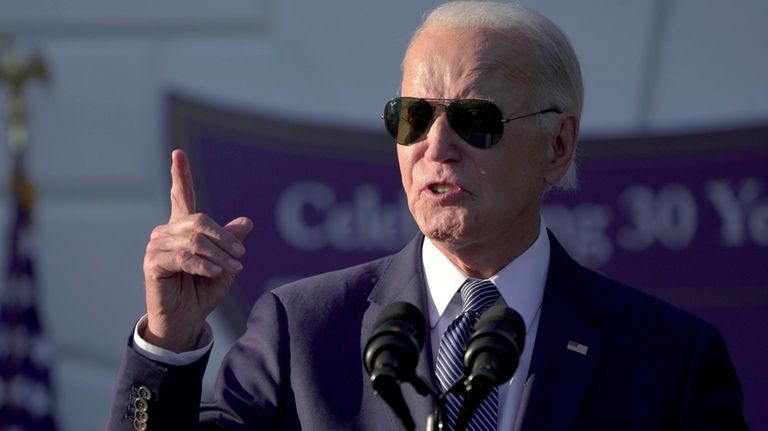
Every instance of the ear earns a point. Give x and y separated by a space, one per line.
561 149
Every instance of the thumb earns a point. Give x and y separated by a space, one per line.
239 227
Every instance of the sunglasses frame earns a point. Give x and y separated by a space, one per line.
490 139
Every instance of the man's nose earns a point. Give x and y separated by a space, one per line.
443 144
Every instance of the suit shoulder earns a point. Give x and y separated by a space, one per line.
343 284
634 305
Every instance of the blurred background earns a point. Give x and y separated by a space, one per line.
98 150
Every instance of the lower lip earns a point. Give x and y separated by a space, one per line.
447 198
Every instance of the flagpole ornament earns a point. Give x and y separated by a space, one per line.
15 73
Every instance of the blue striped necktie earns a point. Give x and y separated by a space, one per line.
477 296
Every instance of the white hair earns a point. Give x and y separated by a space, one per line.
557 72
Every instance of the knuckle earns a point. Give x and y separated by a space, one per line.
198 219
201 266
184 258
157 232
151 254
226 236
195 240
221 257
150 265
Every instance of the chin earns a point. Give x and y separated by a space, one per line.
445 224
448 230
441 236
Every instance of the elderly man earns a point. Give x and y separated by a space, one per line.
487 122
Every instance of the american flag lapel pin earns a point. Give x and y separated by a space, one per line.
577 347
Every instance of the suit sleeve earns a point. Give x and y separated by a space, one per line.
253 390
250 393
712 397
153 395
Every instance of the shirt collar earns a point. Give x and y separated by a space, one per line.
521 282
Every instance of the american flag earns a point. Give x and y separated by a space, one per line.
26 401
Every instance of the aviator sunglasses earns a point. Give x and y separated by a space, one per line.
478 122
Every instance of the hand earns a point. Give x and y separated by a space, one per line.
189 265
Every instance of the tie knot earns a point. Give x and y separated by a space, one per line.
477 295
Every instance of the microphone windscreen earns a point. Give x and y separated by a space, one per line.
392 353
499 336
399 313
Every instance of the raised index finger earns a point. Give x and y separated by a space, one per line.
182 188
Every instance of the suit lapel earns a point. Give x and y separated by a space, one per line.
403 280
567 350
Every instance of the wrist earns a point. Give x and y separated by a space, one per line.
175 340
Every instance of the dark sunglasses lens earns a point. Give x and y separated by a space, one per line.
407 119
479 122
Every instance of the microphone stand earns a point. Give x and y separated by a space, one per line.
477 389
387 386
474 392
436 420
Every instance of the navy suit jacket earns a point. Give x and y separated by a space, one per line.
648 365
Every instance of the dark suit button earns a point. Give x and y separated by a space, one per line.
140 416
139 426
141 404
145 393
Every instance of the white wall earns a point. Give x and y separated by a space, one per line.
97 141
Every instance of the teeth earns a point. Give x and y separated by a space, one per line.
441 188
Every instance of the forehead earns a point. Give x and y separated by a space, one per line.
459 63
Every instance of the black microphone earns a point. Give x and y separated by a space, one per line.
491 357
392 353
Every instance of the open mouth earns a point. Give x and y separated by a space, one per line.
441 188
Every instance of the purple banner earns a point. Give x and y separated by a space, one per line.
682 217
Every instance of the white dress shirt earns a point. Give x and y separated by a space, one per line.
149 350
521 284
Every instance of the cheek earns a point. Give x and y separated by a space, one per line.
525 162
402 162
406 162
506 178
